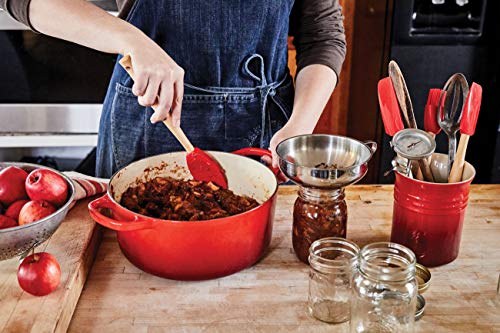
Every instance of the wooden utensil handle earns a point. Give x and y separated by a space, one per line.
458 164
429 159
426 170
417 172
126 63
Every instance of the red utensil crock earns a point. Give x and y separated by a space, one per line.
428 217
197 250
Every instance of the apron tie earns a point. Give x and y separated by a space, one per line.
266 90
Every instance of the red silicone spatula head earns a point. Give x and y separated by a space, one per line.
430 113
204 167
389 107
471 109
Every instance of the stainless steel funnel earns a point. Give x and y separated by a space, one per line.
324 161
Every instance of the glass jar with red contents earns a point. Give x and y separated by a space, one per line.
317 214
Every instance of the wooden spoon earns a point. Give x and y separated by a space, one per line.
201 165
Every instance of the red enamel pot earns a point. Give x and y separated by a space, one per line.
192 250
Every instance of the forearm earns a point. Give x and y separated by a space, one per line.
158 79
313 88
83 23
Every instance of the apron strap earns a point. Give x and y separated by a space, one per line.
266 90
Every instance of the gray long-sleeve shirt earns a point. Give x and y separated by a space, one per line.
317 27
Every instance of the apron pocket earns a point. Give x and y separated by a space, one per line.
243 121
202 120
127 126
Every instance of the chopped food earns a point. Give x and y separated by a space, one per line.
323 165
184 200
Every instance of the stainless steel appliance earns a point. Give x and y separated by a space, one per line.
51 93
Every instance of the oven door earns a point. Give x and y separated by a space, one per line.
51 91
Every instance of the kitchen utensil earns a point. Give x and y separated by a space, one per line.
428 217
413 144
389 107
439 167
18 241
406 106
430 112
191 250
402 94
449 116
391 117
324 161
322 165
201 165
467 128
399 164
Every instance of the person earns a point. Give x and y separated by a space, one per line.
219 66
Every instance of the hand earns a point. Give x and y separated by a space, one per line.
292 128
158 79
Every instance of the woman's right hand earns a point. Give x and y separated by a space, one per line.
157 79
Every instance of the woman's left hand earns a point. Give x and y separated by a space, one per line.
291 129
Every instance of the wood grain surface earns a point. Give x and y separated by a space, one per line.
271 296
74 244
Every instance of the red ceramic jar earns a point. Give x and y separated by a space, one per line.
428 217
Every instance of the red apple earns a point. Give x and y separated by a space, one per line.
12 185
34 211
39 274
15 208
7 222
43 184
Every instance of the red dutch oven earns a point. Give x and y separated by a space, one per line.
192 250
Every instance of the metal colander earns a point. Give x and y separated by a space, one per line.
18 241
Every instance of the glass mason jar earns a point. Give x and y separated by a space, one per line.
333 263
384 289
317 214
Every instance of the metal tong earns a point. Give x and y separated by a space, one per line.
450 115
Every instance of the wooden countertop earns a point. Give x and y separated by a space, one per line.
271 296
75 245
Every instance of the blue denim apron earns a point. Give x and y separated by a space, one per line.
238 90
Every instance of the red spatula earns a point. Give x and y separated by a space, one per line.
389 107
467 128
201 165
430 112
391 114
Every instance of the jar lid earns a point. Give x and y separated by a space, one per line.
423 276
419 313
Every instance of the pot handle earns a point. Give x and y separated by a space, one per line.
253 151
135 222
372 145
